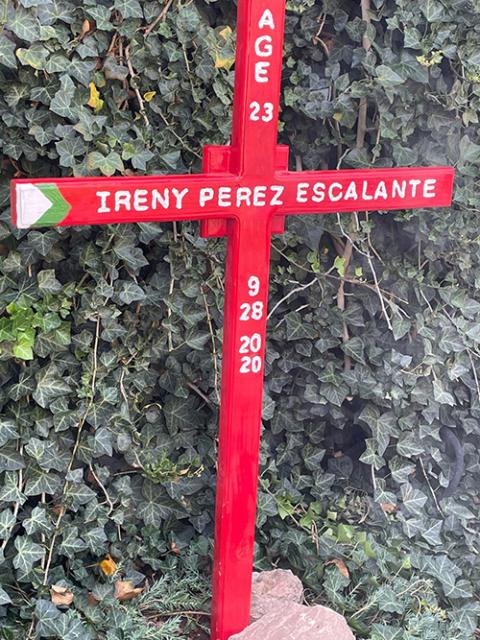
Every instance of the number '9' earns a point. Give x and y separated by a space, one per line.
253 286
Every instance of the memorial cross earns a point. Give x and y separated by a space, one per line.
244 192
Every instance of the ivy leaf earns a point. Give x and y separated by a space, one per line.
188 19
180 414
42 241
7 522
10 460
469 151
461 589
335 394
370 455
23 24
132 256
401 469
4 597
150 513
409 446
433 10
131 292
49 387
35 56
71 543
129 8
103 442
40 481
7 52
69 148
9 491
432 533
441 395
57 63
389 601
47 282
79 494
81 70
386 632
465 617
8 431
23 348
46 613
61 102
54 341
108 165
400 327
387 77
101 15
95 538
296 328
197 339
451 342
354 348
442 568
28 553
413 499
95 102
37 522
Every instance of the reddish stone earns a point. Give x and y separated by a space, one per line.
272 590
298 622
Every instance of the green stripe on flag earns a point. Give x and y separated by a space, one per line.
59 209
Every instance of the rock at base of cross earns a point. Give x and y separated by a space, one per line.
273 589
298 622
276 612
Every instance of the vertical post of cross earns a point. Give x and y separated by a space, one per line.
258 74
246 296
253 153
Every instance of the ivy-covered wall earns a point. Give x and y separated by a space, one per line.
110 338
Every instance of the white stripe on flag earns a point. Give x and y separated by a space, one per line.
31 205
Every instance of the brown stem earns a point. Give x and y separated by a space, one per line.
365 4
133 84
363 107
341 302
160 18
360 142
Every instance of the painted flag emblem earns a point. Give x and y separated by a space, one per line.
40 205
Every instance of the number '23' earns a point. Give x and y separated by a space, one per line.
261 112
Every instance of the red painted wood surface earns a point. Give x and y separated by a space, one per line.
244 192
246 297
258 73
221 196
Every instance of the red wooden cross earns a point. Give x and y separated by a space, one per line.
245 192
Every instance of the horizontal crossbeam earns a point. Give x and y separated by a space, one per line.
366 190
84 201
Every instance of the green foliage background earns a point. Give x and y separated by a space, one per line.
110 337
